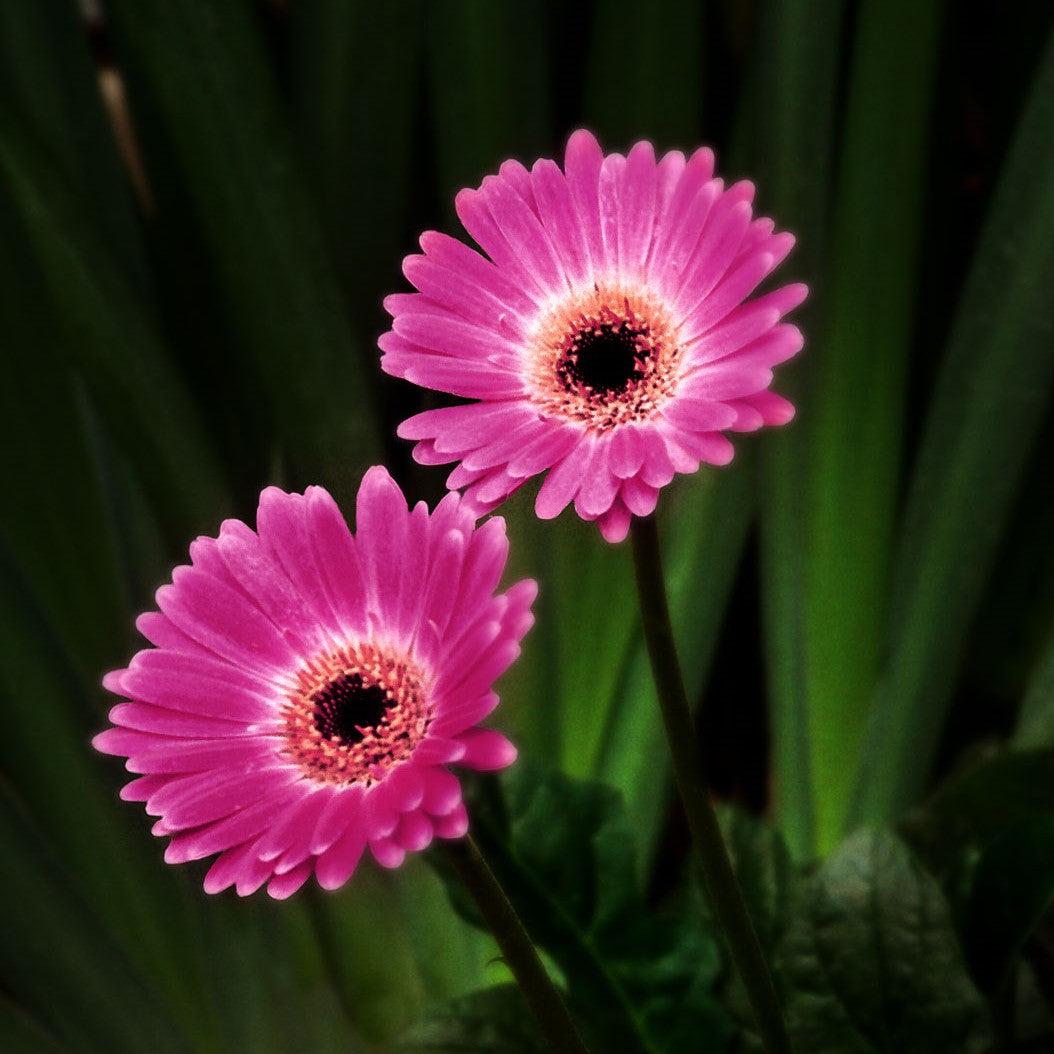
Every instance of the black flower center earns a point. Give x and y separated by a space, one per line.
346 705
606 359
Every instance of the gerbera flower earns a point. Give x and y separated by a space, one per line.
608 338
307 689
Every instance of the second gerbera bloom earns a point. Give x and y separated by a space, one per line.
608 338
308 688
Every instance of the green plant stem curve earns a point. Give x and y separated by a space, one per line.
722 888
516 946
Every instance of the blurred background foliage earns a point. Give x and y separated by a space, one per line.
202 205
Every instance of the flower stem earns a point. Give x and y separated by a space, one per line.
516 946
725 896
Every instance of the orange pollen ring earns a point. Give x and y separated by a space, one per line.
354 713
604 357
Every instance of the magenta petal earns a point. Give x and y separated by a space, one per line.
487 750
226 868
414 832
614 524
582 164
387 852
335 866
142 788
436 750
442 792
224 621
456 717
196 685
453 825
344 808
563 481
281 887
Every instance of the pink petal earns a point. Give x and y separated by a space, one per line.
334 867
414 832
453 825
387 852
281 887
563 481
442 792
614 524
225 622
487 750
582 163
636 209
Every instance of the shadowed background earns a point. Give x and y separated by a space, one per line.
202 206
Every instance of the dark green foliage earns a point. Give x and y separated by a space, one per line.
872 962
564 851
493 1021
862 602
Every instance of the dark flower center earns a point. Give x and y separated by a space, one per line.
346 709
605 359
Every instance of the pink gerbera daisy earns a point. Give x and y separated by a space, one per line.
308 689
608 338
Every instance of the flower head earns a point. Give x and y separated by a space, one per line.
608 339
307 689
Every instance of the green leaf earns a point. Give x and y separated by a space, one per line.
221 159
1035 723
564 852
344 59
1013 887
856 418
796 102
976 804
23 1034
489 88
494 1021
989 403
112 340
51 83
872 962
51 937
657 95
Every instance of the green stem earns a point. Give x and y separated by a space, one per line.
726 899
516 947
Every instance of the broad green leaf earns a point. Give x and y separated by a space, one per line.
1013 886
564 852
51 83
1035 723
990 399
452 957
489 88
562 693
222 162
345 58
494 1021
795 107
111 340
974 805
872 962
856 416
658 93
24 1034
60 963
367 951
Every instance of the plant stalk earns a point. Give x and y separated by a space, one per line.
516 946
725 897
